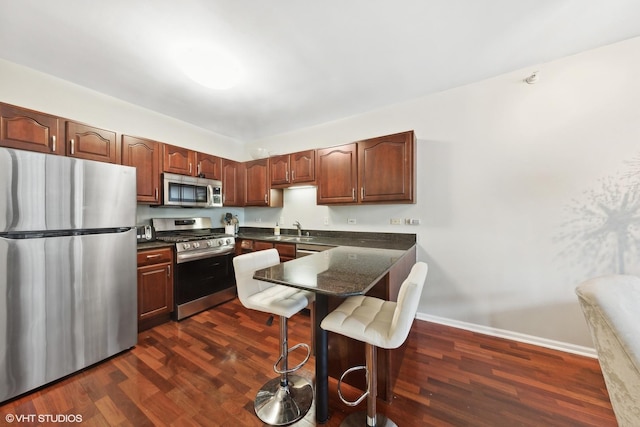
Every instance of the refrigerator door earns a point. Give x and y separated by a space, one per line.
65 303
41 192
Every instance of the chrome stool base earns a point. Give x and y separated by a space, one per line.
359 419
280 405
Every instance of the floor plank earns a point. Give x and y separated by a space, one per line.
205 371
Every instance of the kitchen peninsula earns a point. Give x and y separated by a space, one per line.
335 274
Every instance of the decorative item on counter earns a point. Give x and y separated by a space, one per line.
276 230
230 223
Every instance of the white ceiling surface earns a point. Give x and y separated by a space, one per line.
306 62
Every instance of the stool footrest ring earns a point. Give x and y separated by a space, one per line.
295 368
344 374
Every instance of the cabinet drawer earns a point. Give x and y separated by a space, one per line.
155 256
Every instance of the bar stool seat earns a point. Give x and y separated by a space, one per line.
288 398
377 323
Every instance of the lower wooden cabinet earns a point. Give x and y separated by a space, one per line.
287 251
155 287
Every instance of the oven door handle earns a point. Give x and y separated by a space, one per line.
196 255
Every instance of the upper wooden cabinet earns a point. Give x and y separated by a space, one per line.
293 169
377 170
144 155
208 166
337 174
91 143
232 183
258 191
30 130
178 160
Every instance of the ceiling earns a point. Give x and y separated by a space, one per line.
305 62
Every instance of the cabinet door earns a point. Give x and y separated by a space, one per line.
257 184
91 143
29 130
286 251
178 160
209 166
155 290
144 155
232 184
303 167
337 175
280 170
386 168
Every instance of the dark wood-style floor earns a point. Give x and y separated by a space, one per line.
205 370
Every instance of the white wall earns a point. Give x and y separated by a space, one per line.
523 190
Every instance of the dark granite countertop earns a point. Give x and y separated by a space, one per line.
397 241
157 244
340 271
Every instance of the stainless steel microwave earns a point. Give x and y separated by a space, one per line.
189 191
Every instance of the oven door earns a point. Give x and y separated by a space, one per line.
203 283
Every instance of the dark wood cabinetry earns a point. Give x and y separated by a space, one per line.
155 287
91 143
144 155
178 160
377 170
232 183
209 166
287 251
337 174
30 130
258 191
293 169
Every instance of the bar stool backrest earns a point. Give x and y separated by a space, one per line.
408 300
245 265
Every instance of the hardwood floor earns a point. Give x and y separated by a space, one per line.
205 370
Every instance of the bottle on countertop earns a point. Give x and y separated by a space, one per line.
276 230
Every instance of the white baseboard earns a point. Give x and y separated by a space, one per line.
515 336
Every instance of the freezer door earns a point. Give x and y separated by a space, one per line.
41 192
65 303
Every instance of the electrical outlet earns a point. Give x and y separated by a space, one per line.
258 219
326 220
351 221
396 221
412 221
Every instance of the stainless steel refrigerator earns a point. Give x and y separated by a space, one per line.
68 293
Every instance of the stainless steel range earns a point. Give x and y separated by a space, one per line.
203 274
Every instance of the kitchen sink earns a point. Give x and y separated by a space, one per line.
292 238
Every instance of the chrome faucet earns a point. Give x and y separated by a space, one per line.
297 224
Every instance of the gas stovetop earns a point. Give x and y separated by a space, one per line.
193 236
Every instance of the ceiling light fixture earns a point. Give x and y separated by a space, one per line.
208 66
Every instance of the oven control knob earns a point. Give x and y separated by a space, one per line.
196 244
228 241
186 245
220 242
210 243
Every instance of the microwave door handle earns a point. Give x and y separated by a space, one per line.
210 195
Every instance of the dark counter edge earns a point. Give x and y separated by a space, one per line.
401 241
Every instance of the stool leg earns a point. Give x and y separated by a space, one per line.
372 383
369 418
287 398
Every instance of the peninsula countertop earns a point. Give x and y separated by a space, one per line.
340 271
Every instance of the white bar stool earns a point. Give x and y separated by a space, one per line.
288 398
377 323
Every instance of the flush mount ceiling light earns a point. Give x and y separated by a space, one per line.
209 66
